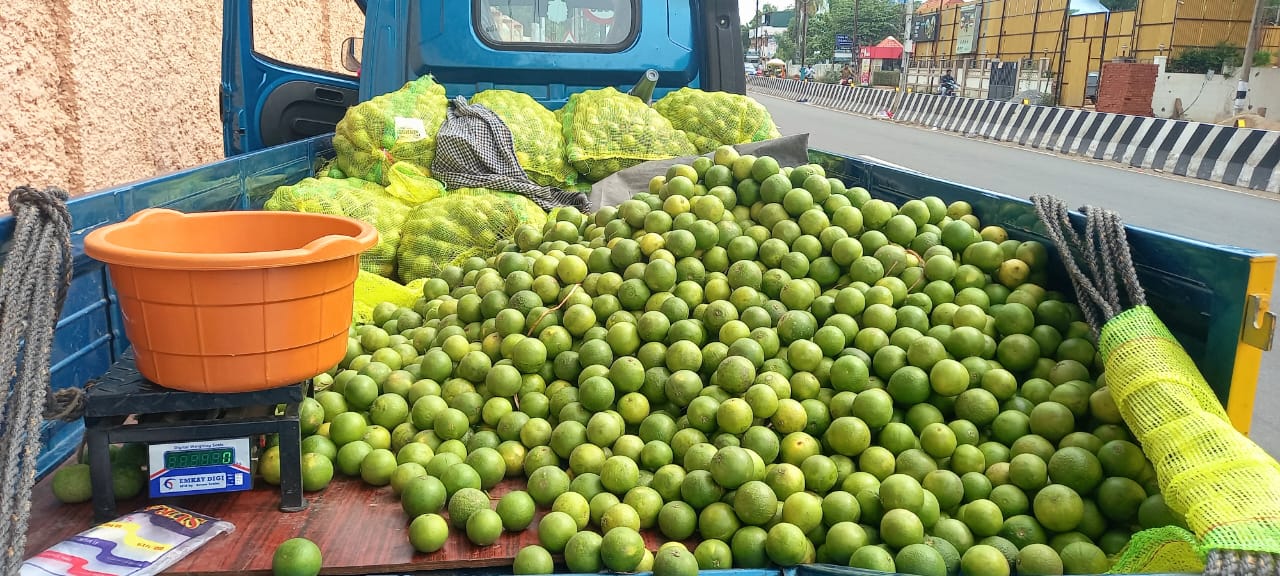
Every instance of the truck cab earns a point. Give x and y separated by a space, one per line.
547 49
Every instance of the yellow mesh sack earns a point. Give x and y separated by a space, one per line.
463 223
606 131
411 184
353 198
712 119
1165 550
1227 487
539 142
372 290
396 127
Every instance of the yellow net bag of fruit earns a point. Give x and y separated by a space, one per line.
539 142
372 290
361 200
606 131
712 119
461 224
1224 484
396 127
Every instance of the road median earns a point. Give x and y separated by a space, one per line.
1244 157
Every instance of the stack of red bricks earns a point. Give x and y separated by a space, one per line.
1127 88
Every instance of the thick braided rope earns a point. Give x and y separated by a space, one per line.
33 285
1053 214
1119 247
1103 271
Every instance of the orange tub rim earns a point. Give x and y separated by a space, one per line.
99 245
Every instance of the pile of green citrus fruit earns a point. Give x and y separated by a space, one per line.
72 485
759 363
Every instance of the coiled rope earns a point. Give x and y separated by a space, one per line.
33 286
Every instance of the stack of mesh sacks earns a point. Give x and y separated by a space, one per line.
397 127
606 131
713 119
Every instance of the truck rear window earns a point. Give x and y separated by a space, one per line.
557 25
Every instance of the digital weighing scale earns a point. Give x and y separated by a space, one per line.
189 468
205 450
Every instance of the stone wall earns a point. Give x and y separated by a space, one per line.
105 92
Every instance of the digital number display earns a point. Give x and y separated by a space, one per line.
197 458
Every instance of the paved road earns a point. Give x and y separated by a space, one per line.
1217 215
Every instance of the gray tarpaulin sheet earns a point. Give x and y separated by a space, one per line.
788 151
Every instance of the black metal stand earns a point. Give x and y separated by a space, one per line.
123 392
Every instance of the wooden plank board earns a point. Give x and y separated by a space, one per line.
359 529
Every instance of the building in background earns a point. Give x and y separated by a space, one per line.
1058 44
762 41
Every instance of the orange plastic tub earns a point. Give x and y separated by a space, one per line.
233 301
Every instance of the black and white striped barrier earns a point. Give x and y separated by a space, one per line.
1243 157
857 100
1229 155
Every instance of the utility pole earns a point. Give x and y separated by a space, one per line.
803 42
1251 47
857 45
906 61
755 41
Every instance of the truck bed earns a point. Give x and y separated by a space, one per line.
1200 290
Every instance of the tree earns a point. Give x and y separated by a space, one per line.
1116 5
877 19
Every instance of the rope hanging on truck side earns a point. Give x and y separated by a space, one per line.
33 286
1226 486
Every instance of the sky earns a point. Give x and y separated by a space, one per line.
747 8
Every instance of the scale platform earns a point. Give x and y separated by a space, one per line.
199 424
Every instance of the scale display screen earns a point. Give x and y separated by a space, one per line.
202 467
196 458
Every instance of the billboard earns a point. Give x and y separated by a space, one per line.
924 28
968 25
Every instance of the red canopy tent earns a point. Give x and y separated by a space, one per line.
888 49
879 57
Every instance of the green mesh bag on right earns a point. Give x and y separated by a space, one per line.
539 142
713 119
396 127
606 131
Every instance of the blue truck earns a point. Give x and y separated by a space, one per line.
278 122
